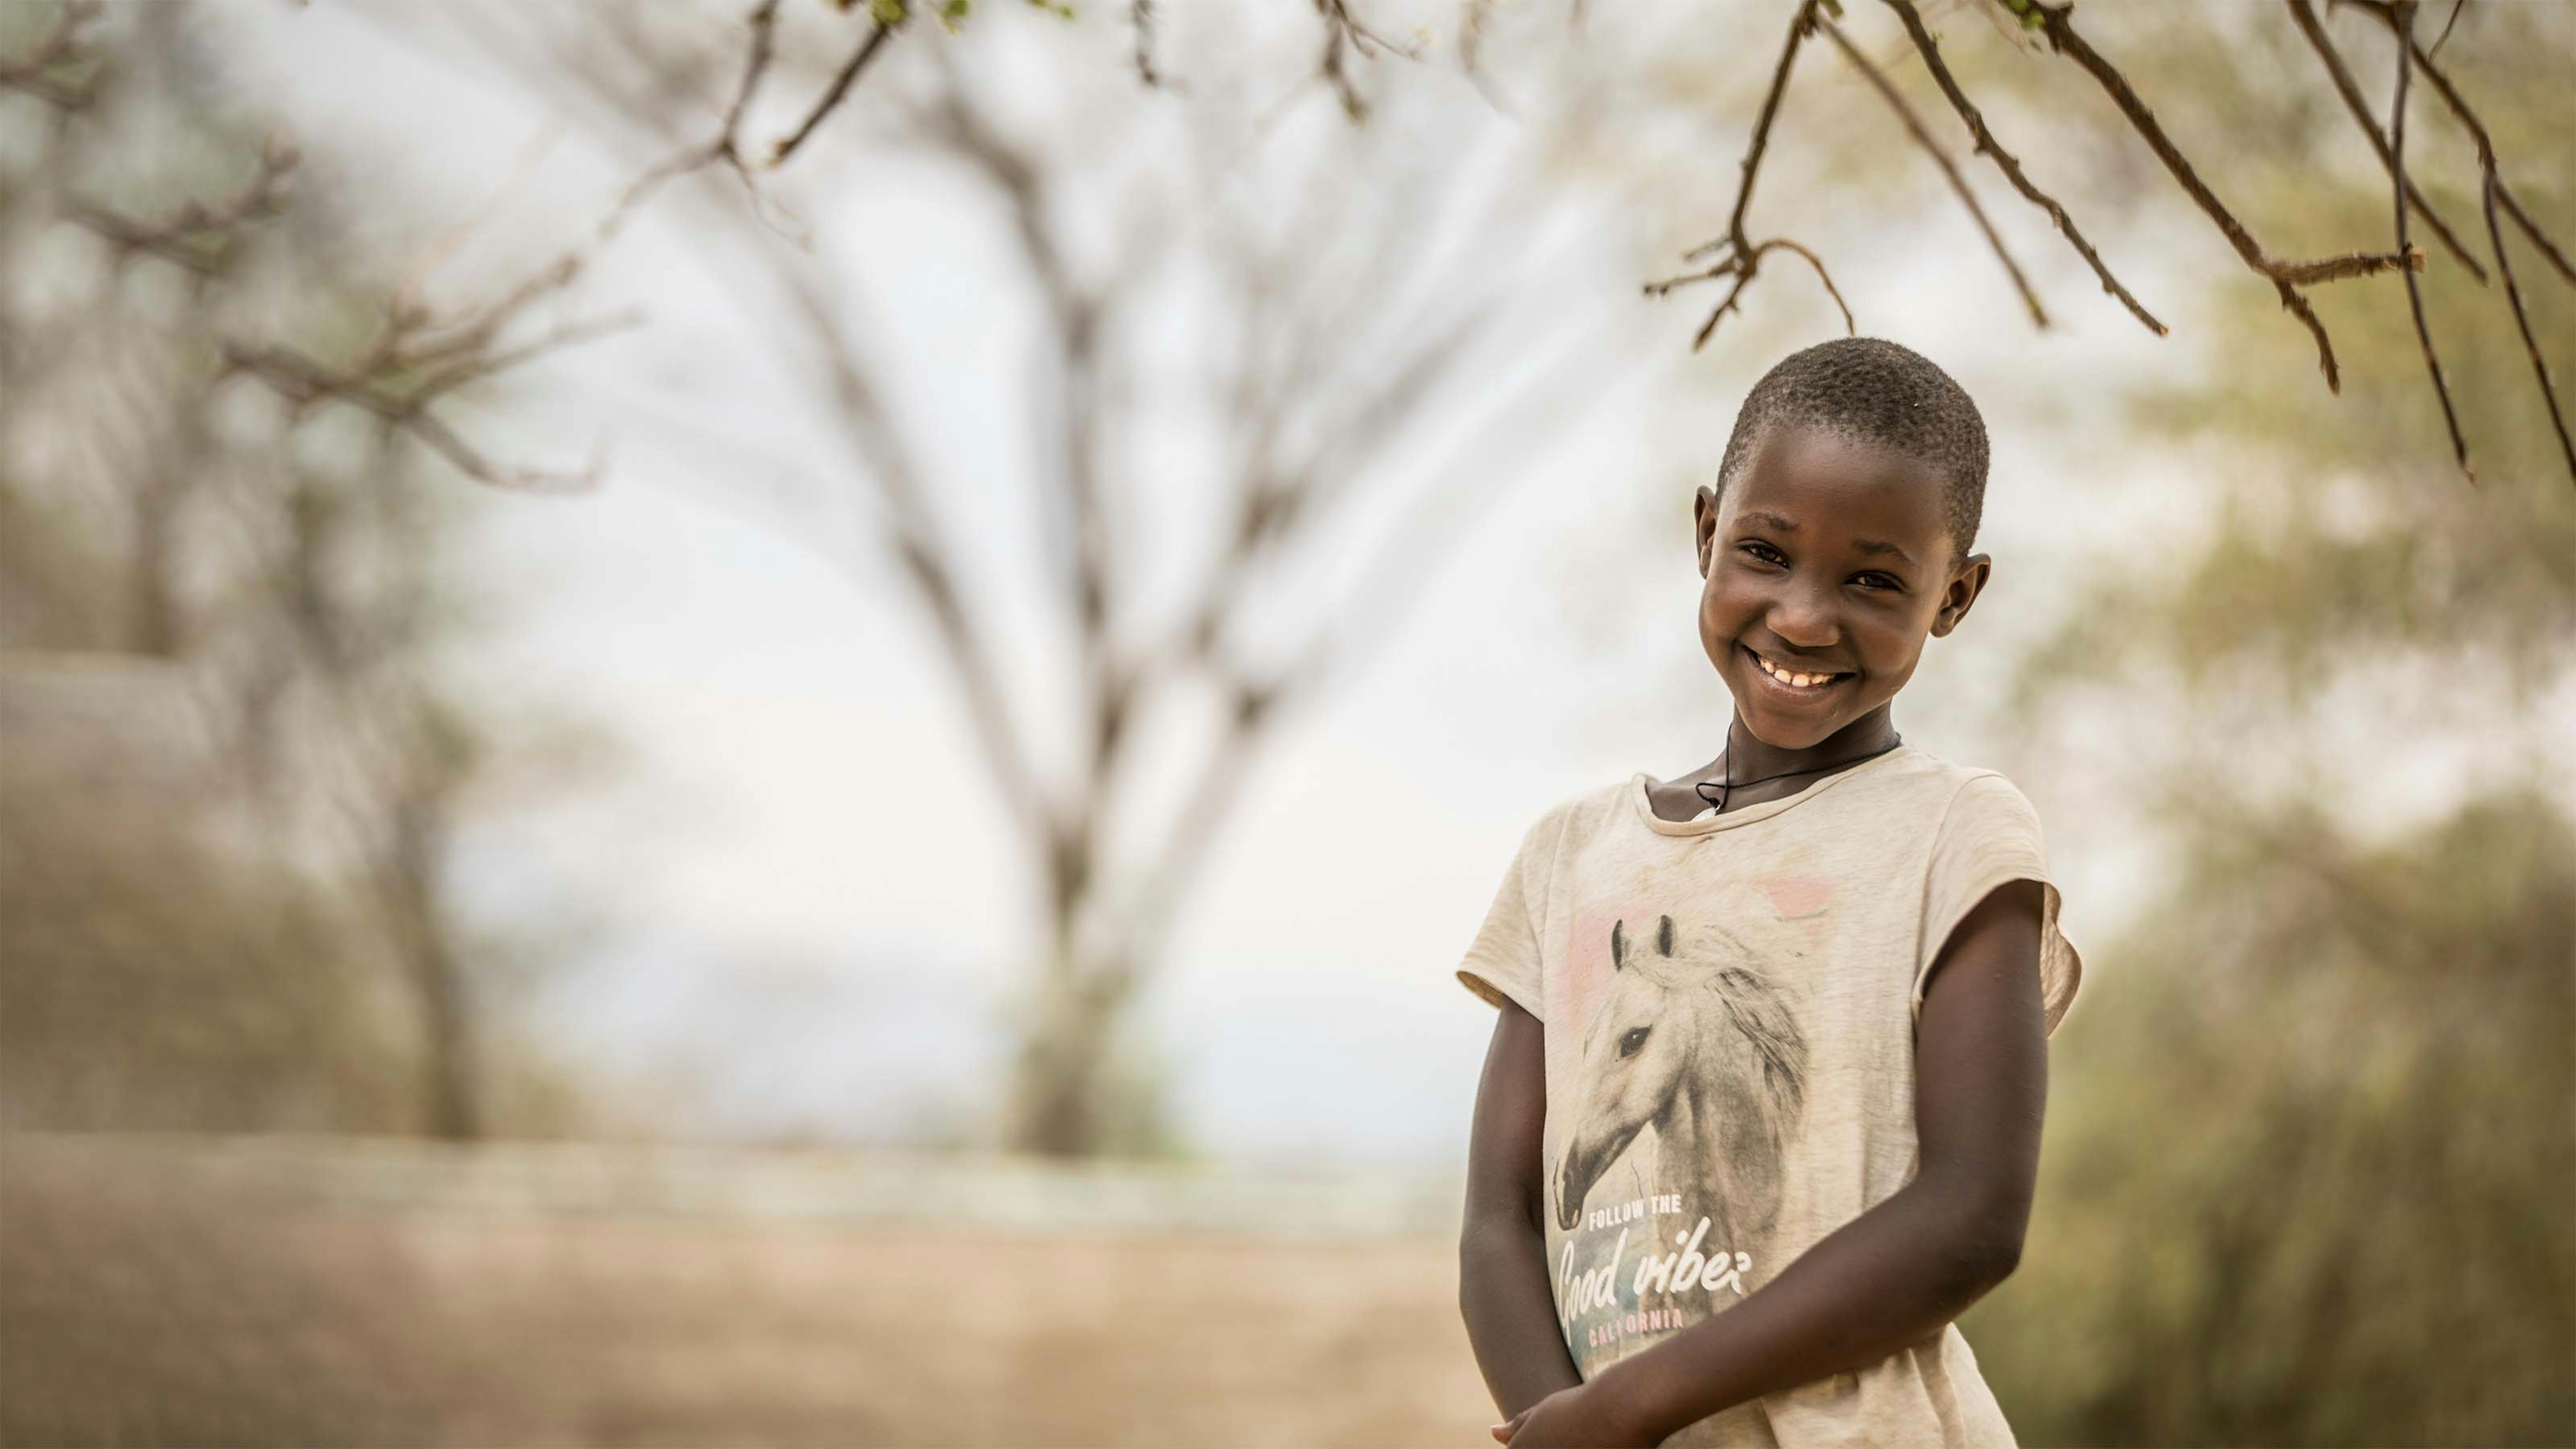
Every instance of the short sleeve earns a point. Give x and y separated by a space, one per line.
1990 836
1503 963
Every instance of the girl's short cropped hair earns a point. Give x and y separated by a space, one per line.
1874 391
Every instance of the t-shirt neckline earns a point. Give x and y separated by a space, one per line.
1750 814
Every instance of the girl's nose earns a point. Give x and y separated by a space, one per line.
1803 621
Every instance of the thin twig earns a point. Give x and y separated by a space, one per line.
1343 32
2414 290
2304 15
588 329
443 248
2447 22
1914 127
1140 19
1930 50
1849 326
2521 319
840 87
2348 264
726 148
195 235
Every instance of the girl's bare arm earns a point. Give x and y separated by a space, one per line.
1503 1289
1893 1276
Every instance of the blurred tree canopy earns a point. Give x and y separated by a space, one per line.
2314 1134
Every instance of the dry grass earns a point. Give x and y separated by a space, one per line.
142 1301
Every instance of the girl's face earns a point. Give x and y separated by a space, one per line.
1830 560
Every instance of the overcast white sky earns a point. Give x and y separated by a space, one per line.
816 918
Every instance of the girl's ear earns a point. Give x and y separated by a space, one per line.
1704 524
1965 585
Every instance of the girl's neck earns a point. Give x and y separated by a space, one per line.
1749 758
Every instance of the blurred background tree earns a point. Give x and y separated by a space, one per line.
1246 365
234 764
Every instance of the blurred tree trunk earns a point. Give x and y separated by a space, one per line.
409 872
1065 1102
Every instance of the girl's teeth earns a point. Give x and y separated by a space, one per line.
1801 681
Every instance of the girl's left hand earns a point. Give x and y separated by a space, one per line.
1575 1418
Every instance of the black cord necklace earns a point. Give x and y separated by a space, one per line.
1727 768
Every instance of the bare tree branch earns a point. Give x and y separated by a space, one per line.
2305 16
2414 292
726 148
1742 256
375 387
1076 312
839 89
1930 50
2286 277
2492 193
1743 277
913 536
1914 126
2477 130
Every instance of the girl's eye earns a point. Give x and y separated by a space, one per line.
1762 551
1884 581
1634 1041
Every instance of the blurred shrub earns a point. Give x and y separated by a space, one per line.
2310 1152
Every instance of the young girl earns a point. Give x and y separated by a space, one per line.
1761 1113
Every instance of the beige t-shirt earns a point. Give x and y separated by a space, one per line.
1730 1006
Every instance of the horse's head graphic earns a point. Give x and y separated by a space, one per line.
1704 1049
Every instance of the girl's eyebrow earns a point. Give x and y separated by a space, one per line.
1865 545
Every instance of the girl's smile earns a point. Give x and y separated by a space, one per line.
1793 683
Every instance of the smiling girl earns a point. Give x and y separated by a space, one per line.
1761 1113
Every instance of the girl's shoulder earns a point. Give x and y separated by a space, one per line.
1940 781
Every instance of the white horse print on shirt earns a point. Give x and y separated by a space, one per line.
1703 1047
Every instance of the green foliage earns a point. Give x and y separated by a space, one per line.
2310 1142
2310 1151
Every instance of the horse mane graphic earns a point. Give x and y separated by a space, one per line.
1706 1050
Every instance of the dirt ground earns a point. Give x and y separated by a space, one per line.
143 1303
